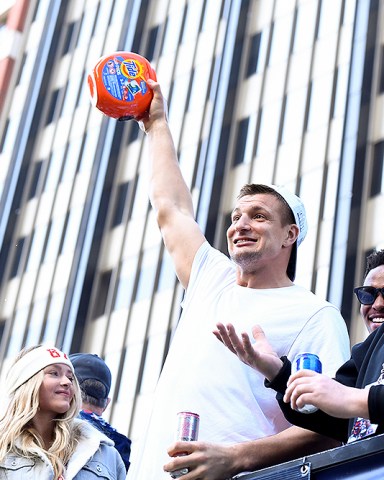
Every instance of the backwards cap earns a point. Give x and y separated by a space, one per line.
298 210
31 363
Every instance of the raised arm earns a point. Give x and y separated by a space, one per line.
169 195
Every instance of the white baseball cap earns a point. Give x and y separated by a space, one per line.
298 210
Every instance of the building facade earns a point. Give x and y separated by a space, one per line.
265 91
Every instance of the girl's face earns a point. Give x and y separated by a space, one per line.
56 391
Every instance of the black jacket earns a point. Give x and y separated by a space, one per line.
363 368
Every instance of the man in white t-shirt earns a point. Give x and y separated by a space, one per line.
241 425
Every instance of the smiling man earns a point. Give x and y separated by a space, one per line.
241 426
370 295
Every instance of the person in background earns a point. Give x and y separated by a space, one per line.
372 313
95 380
351 405
241 425
40 436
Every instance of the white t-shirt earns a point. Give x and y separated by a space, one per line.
201 375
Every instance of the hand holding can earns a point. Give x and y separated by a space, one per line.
306 361
187 431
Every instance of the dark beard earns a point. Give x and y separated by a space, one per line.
247 261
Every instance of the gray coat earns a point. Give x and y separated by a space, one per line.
94 458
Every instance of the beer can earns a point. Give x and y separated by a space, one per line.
187 431
307 361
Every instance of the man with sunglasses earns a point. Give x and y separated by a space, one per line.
351 406
371 294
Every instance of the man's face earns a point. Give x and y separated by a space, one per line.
373 315
256 233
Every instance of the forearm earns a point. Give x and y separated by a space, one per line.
289 444
168 189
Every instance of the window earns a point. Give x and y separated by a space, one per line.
52 106
241 141
377 182
17 258
121 200
102 294
381 76
35 179
254 53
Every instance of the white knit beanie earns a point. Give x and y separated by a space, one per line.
31 363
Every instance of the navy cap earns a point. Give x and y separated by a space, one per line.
89 366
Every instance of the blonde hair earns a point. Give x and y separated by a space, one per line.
16 424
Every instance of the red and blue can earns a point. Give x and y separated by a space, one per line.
307 361
187 431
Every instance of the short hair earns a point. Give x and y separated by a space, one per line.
96 387
287 216
375 259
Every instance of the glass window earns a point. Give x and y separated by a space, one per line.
35 179
198 95
305 26
329 17
381 75
167 277
71 160
211 15
241 141
126 283
320 102
152 41
192 21
349 12
55 311
74 84
172 32
89 152
152 366
54 169
72 230
294 115
18 331
103 18
4 134
377 182
102 294
121 200
311 194
341 92
332 180
54 239
9 140
87 24
36 322
281 34
269 128
68 37
37 245
17 257
147 274
254 51
52 105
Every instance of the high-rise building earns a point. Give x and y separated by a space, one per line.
266 91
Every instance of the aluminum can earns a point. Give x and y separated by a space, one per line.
187 431
307 361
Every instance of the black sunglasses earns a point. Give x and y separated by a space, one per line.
367 295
